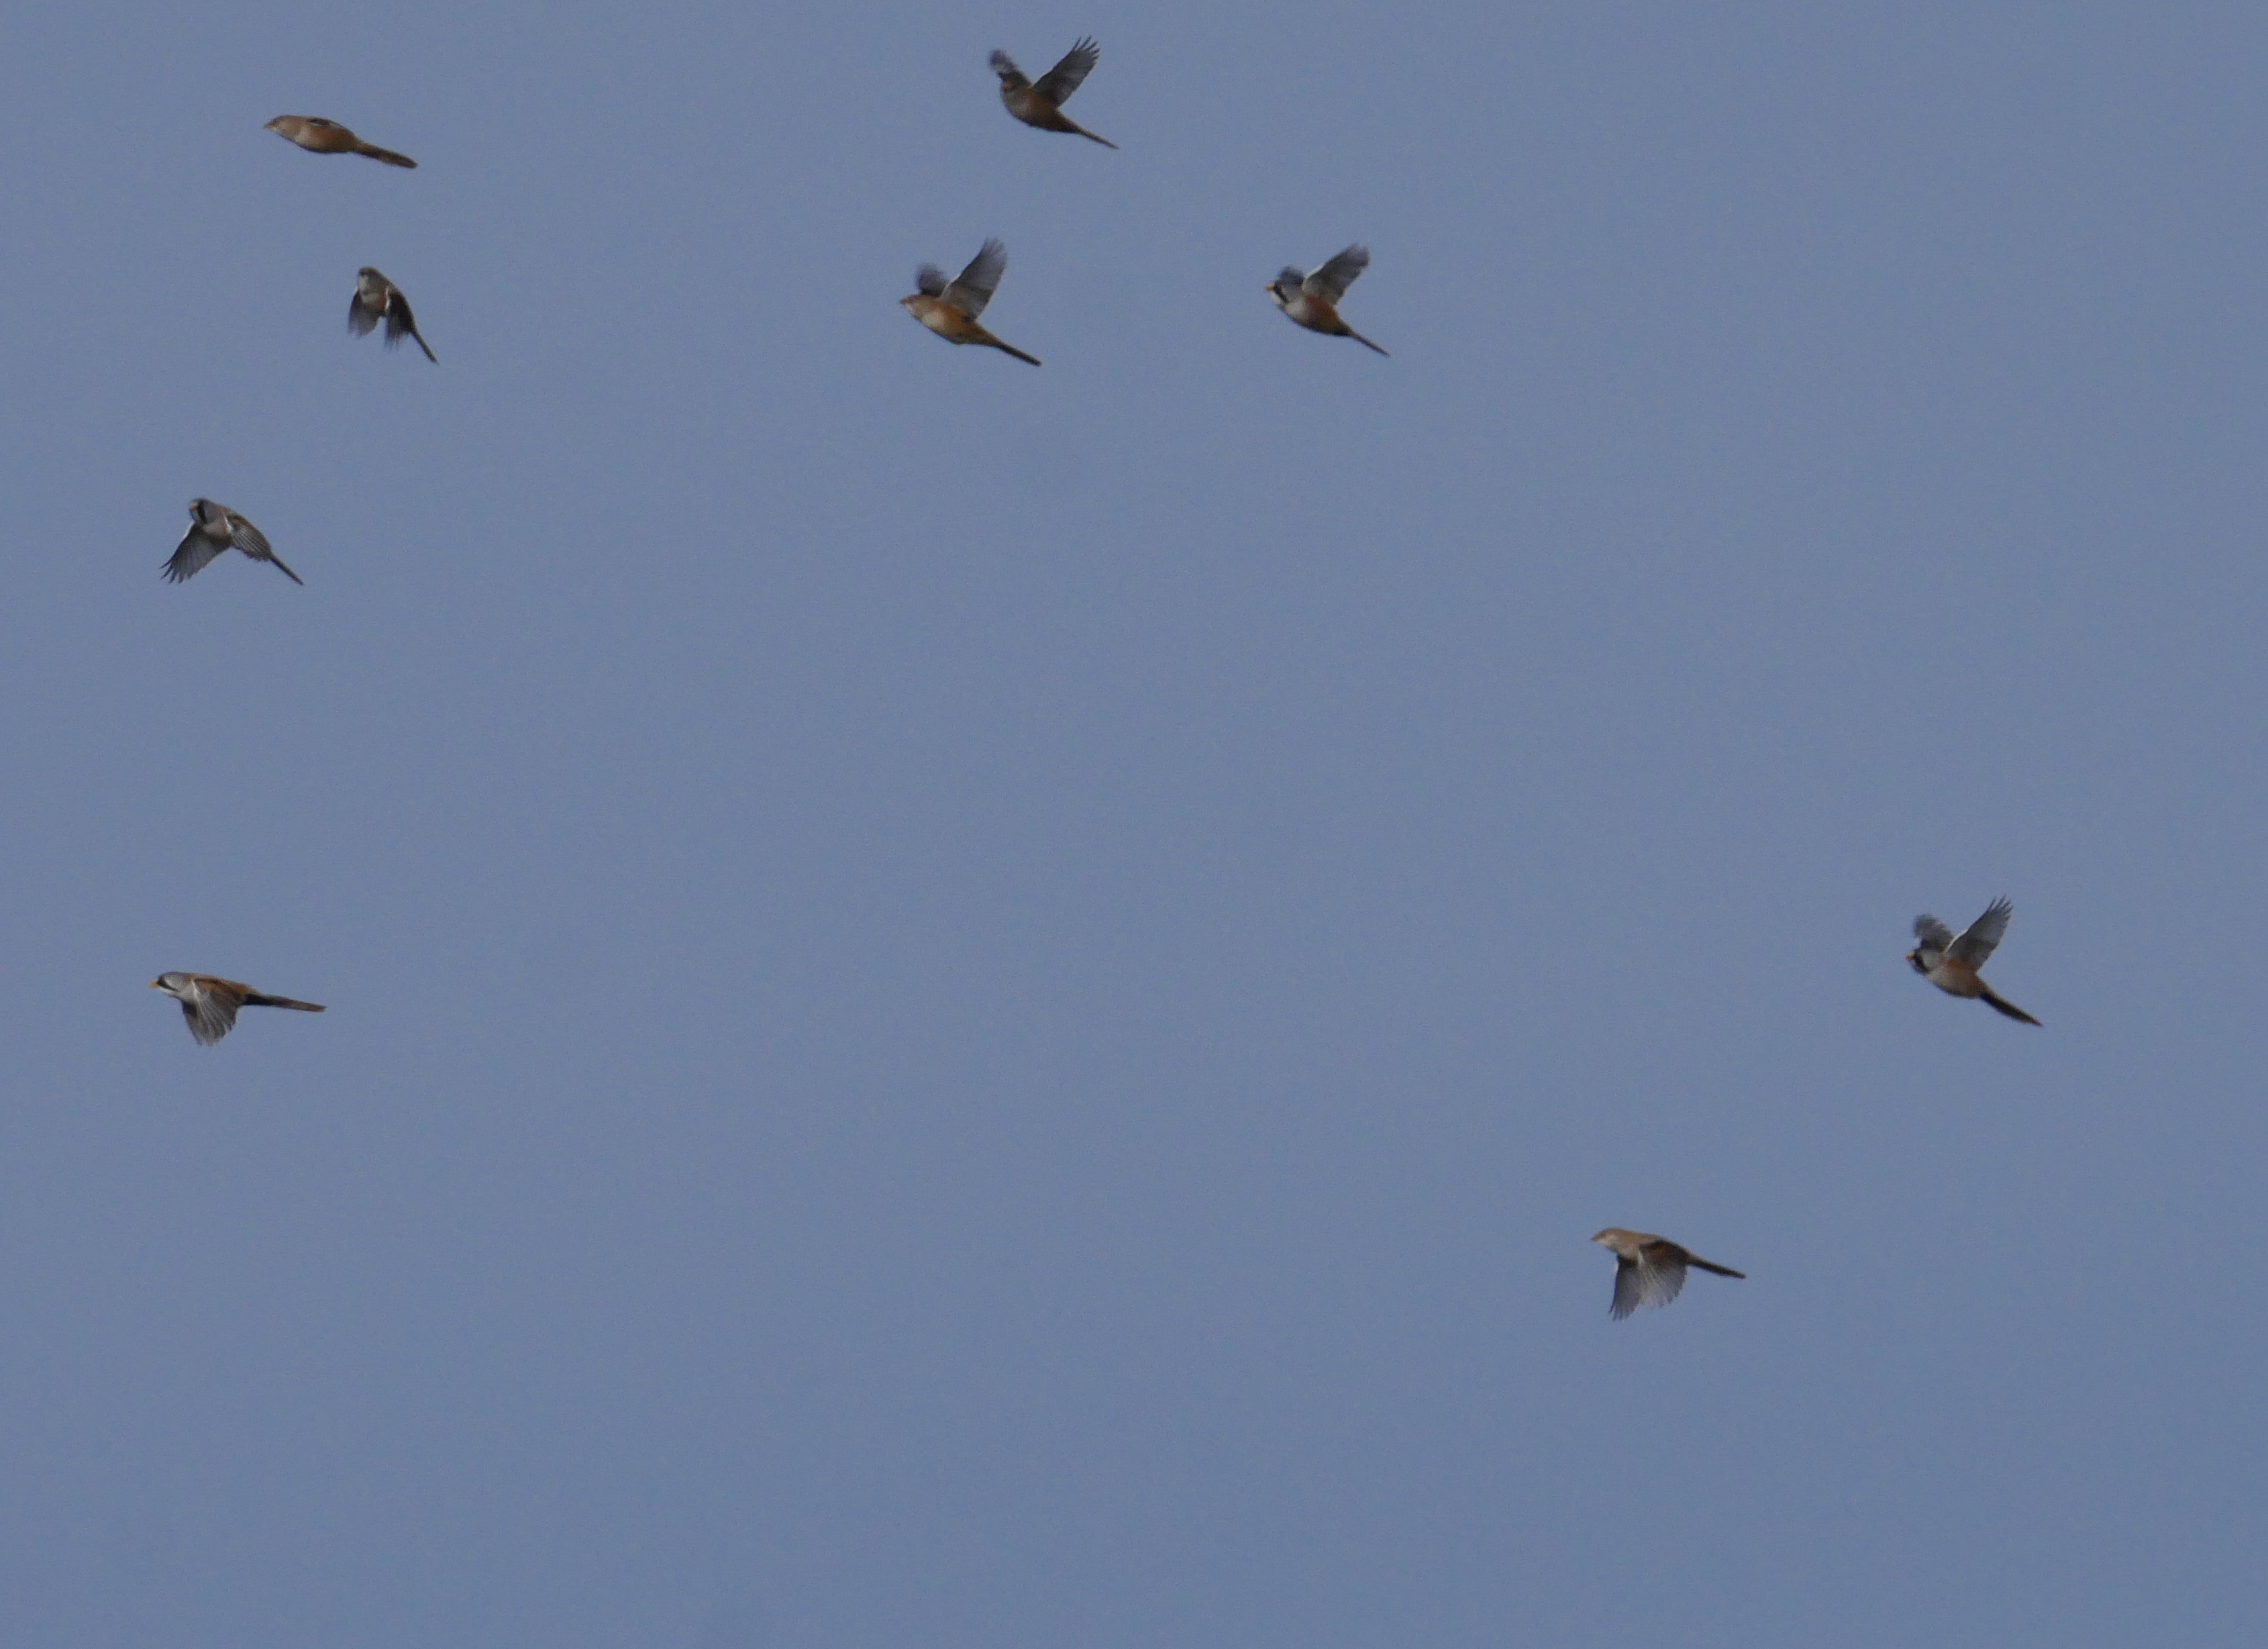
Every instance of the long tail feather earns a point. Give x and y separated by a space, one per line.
2008 1008
258 1001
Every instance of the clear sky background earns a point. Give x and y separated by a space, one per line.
973 1006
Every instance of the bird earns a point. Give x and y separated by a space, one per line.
377 298
210 1003
1650 1270
329 137
1950 963
213 527
1313 300
1041 103
949 308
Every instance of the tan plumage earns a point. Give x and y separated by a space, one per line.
214 528
1650 1270
1313 300
208 1002
1041 103
949 308
1950 962
313 132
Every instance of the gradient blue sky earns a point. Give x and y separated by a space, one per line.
983 1007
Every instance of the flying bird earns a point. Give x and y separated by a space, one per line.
1041 103
329 137
214 528
949 308
1313 300
377 298
210 1003
1650 1270
1950 963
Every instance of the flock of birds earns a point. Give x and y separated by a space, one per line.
1649 1269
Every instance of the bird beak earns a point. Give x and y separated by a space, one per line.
156 984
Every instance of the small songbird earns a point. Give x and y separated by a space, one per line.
1650 1270
210 1003
1040 104
329 137
949 308
377 298
1951 963
1313 300
214 528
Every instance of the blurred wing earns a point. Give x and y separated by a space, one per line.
1332 280
211 1016
400 323
1660 1274
1982 936
1933 934
929 281
973 288
1288 277
1069 75
1627 1297
195 555
360 316
248 538
1005 66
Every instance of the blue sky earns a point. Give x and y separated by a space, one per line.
980 1006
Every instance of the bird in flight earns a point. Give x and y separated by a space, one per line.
1950 962
214 528
1313 300
210 1003
1040 103
949 308
377 298
1650 1270
329 137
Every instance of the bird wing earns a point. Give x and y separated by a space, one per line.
1627 1296
1660 1273
1068 76
360 316
1333 279
400 323
1934 935
929 280
248 538
1005 66
211 1011
195 555
1983 936
973 288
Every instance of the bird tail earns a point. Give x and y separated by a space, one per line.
1365 343
256 1000
1721 1270
1091 138
386 155
1010 349
302 583
428 348
2008 1008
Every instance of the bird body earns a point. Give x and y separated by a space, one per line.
949 308
377 298
1041 103
1950 962
208 1002
1313 300
321 136
1650 1270
214 528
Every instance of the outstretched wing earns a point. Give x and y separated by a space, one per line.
211 1016
973 288
195 555
1068 76
1660 1272
1333 279
248 538
1983 936
929 281
360 316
